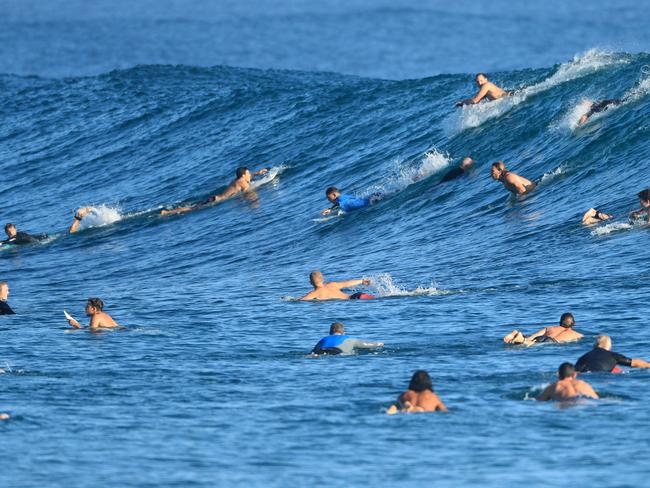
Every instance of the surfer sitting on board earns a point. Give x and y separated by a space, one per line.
486 89
517 185
568 387
344 202
558 333
644 199
98 318
419 397
332 290
241 183
337 342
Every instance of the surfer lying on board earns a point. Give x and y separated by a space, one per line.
644 199
241 183
602 359
600 106
346 202
419 397
517 185
458 171
568 387
486 89
593 216
332 290
98 318
337 342
558 333
20 238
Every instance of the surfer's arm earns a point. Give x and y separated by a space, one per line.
585 389
328 211
476 98
78 216
546 394
350 283
361 344
262 171
309 296
179 210
74 323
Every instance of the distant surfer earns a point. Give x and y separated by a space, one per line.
602 359
458 171
517 185
5 309
332 290
241 183
600 106
558 333
337 342
419 397
98 318
487 89
644 199
568 387
345 202
20 238
594 216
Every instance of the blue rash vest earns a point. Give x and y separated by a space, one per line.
341 344
349 202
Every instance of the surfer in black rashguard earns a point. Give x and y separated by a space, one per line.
602 359
458 171
600 106
20 238
5 309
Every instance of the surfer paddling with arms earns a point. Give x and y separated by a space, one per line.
515 184
558 333
568 387
487 89
98 318
241 183
332 290
419 397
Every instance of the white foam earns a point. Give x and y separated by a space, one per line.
385 287
474 115
610 228
268 177
100 216
551 175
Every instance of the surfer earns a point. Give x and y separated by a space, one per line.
517 185
98 318
568 387
602 359
20 238
458 171
644 199
337 342
345 202
332 290
594 216
241 183
600 106
558 333
419 397
486 89
5 309
78 217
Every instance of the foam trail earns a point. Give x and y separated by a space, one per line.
551 175
385 287
100 216
268 177
581 65
405 175
611 228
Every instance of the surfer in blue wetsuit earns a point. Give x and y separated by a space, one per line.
340 343
344 202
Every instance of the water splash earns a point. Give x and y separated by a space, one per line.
100 216
385 287
551 175
611 228
274 172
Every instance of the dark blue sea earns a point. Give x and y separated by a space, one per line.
137 106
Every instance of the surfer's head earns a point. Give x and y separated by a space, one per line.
644 197
332 193
243 171
481 79
10 230
337 328
4 291
316 278
466 163
420 381
497 169
566 370
94 305
604 342
567 321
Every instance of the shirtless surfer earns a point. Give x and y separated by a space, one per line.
419 397
568 387
517 185
558 333
486 89
241 183
332 290
98 318
594 216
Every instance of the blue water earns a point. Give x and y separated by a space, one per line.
210 384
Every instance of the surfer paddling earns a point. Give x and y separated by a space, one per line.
241 183
515 184
345 202
332 290
644 200
419 397
98 318
338 342
558 333
487 89
568 387
600 106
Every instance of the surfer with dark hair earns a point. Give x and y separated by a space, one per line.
98 318
568 387
644 200
558 333
487 89
338 342
419 397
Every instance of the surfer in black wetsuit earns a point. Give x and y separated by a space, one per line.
5 309
20 238
644 200
458 171
602 359
600 106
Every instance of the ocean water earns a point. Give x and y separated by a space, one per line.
211 383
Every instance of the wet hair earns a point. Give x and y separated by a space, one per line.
644 194
566 370
337 328
9 226
420 381
481 74
500 165
604 342
241 171
567 321
96 303
331 190
314 275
